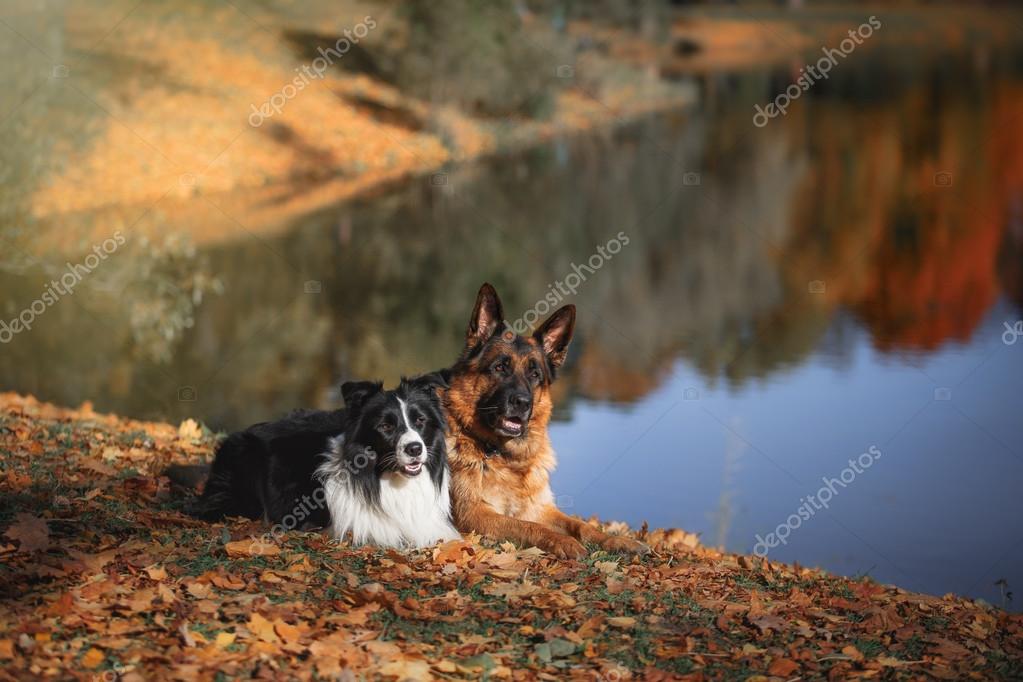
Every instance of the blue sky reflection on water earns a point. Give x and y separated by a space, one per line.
938 511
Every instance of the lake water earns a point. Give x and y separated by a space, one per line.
843 283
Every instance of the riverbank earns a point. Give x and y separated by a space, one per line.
165 113
101 574
190 122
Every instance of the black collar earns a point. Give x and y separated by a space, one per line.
489 449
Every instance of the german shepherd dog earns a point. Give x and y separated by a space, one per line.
498 404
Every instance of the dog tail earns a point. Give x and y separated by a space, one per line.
229 489
187 481
187 476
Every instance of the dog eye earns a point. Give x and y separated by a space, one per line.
420 421
501 367
535 375
386 427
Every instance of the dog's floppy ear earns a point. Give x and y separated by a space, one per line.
356 393
555 334
486 317
428 382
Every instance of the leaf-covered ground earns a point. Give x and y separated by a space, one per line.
102 577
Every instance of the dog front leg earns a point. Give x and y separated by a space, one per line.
487 521
578 528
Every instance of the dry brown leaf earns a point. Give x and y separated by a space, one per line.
782 667
512 591
199 590
853 653
189 430
624 622
890 662
286 631
92 658
591 627
454 551
166 593
408 669
226 582
30 531
766 623
156 573
224 639
247 548
262 628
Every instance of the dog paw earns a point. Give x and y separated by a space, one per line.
618 543
565 548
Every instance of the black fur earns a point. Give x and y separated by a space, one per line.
268 471
368 452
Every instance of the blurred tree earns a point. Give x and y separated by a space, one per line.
650 18
480 56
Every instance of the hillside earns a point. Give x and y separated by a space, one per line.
103 577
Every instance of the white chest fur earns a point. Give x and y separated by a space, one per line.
411 512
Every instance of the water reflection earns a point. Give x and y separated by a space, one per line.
744 247
843 258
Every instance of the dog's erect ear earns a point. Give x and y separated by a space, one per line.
356 393
555 334
486 317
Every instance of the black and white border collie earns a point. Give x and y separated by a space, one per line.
376 469
385 478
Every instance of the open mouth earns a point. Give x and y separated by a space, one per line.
510 426
412 469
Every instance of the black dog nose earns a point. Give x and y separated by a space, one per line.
520 401
414 449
